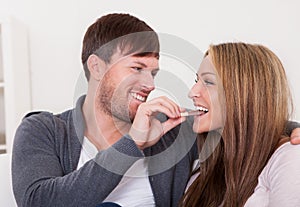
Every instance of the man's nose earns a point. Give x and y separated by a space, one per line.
148 82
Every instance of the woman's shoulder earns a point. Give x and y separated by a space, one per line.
285 161
279 182
286 152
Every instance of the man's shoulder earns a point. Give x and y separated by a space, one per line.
37 116
44 125
45 120
32 113
47 115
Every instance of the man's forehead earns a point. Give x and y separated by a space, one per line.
144 60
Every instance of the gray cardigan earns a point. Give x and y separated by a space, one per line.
46 152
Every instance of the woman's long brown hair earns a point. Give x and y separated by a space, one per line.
258 102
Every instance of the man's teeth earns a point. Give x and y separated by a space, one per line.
200 108
138 97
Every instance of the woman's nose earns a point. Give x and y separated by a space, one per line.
195 91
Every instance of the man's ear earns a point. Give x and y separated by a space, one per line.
96 67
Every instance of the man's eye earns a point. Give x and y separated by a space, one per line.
154 73
137 68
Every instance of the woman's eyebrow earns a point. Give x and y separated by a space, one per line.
206 73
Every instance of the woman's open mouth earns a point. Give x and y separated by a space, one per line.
198 112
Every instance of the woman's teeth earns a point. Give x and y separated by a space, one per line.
191 113
138 97
200 108
198 112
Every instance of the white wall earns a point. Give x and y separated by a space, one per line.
56 29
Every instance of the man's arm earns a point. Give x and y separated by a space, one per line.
293 130
41 178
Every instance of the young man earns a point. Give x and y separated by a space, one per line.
111 147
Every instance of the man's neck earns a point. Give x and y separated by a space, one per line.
101 129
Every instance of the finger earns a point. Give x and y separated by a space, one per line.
182 110
171 123
168 102
295 136
164 101
295 139
146 112
154 108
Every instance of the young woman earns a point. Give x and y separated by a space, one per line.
244 97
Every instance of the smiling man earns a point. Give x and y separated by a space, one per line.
85 156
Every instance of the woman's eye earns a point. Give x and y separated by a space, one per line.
208 82
196 78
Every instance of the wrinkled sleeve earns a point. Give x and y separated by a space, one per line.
39 177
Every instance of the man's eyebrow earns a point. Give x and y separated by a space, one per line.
140 63
143 64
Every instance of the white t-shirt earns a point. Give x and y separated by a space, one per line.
134 188
279 182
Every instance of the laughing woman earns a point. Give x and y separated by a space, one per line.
245 91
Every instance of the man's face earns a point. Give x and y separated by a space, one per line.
126 84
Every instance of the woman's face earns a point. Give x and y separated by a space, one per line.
205 95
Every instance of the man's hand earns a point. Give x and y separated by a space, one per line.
295 136
146 130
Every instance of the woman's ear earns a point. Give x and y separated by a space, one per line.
96 67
